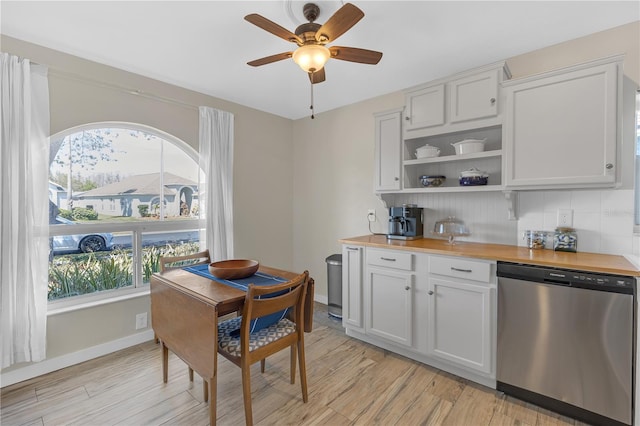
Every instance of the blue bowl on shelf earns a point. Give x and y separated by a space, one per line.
432 181
473 180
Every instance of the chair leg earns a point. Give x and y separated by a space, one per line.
263 361
292 360
246 391
165 362
205 389
303 369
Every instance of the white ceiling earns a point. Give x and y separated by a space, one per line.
205 45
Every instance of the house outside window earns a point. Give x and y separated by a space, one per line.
121 196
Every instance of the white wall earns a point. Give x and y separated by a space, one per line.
603 218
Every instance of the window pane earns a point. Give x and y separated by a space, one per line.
121 174
112 187
158 244
74 274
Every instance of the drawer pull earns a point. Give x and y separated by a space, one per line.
430 293
407 288
352 248
461 270
387 259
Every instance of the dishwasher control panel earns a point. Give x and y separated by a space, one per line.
567 277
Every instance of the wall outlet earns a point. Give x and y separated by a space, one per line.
565 217
371 215
141 321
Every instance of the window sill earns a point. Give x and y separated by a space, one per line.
91 301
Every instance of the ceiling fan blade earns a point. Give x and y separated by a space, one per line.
317 76
353 54
270 59
273 28
346 17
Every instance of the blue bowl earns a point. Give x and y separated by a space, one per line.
473 180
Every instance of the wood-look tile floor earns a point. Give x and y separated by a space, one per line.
350 383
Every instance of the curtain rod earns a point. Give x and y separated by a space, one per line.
135 92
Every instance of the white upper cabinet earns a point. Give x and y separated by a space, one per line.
424 107
457 103
474 97
388 149
562 128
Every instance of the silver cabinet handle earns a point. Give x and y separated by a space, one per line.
352 248
609 166
407 118
396 178
493 101
430 293
388 259
407 288
461 270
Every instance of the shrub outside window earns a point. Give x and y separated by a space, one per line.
121 195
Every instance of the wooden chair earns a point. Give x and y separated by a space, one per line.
248 348
173 262
168 263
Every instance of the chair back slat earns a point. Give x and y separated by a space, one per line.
173 262
265 300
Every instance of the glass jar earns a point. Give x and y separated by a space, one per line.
535 239
565 239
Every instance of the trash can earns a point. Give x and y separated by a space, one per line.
334 284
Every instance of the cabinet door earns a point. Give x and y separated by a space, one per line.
561 130
424 107
460 323
352 286
388 150
474 97
390 307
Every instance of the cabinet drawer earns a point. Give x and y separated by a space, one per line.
460 268
390 259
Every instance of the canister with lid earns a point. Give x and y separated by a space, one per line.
565 239
535 239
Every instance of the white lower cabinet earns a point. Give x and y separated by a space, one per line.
352 286
460 323
390 305
462 312
439 310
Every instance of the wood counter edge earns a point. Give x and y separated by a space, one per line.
584 261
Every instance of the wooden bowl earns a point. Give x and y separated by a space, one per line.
233 269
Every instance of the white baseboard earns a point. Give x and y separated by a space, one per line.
48 365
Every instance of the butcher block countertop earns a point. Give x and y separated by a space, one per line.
592 262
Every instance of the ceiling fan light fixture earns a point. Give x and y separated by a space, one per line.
311 57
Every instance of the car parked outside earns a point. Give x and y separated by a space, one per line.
85 243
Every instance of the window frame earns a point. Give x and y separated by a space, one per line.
136 228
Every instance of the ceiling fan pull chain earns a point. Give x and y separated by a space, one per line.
311 107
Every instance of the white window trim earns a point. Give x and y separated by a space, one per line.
138 289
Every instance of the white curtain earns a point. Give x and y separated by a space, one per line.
216 161
24 170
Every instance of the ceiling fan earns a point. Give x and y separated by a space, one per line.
311 38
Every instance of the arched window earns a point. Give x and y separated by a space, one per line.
120 195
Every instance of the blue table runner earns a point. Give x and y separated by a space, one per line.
259 278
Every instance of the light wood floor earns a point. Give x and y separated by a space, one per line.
350 383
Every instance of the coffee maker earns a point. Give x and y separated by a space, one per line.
405 223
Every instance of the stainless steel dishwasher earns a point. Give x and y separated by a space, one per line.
566 341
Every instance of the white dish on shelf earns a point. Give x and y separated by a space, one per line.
427 151
469 146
